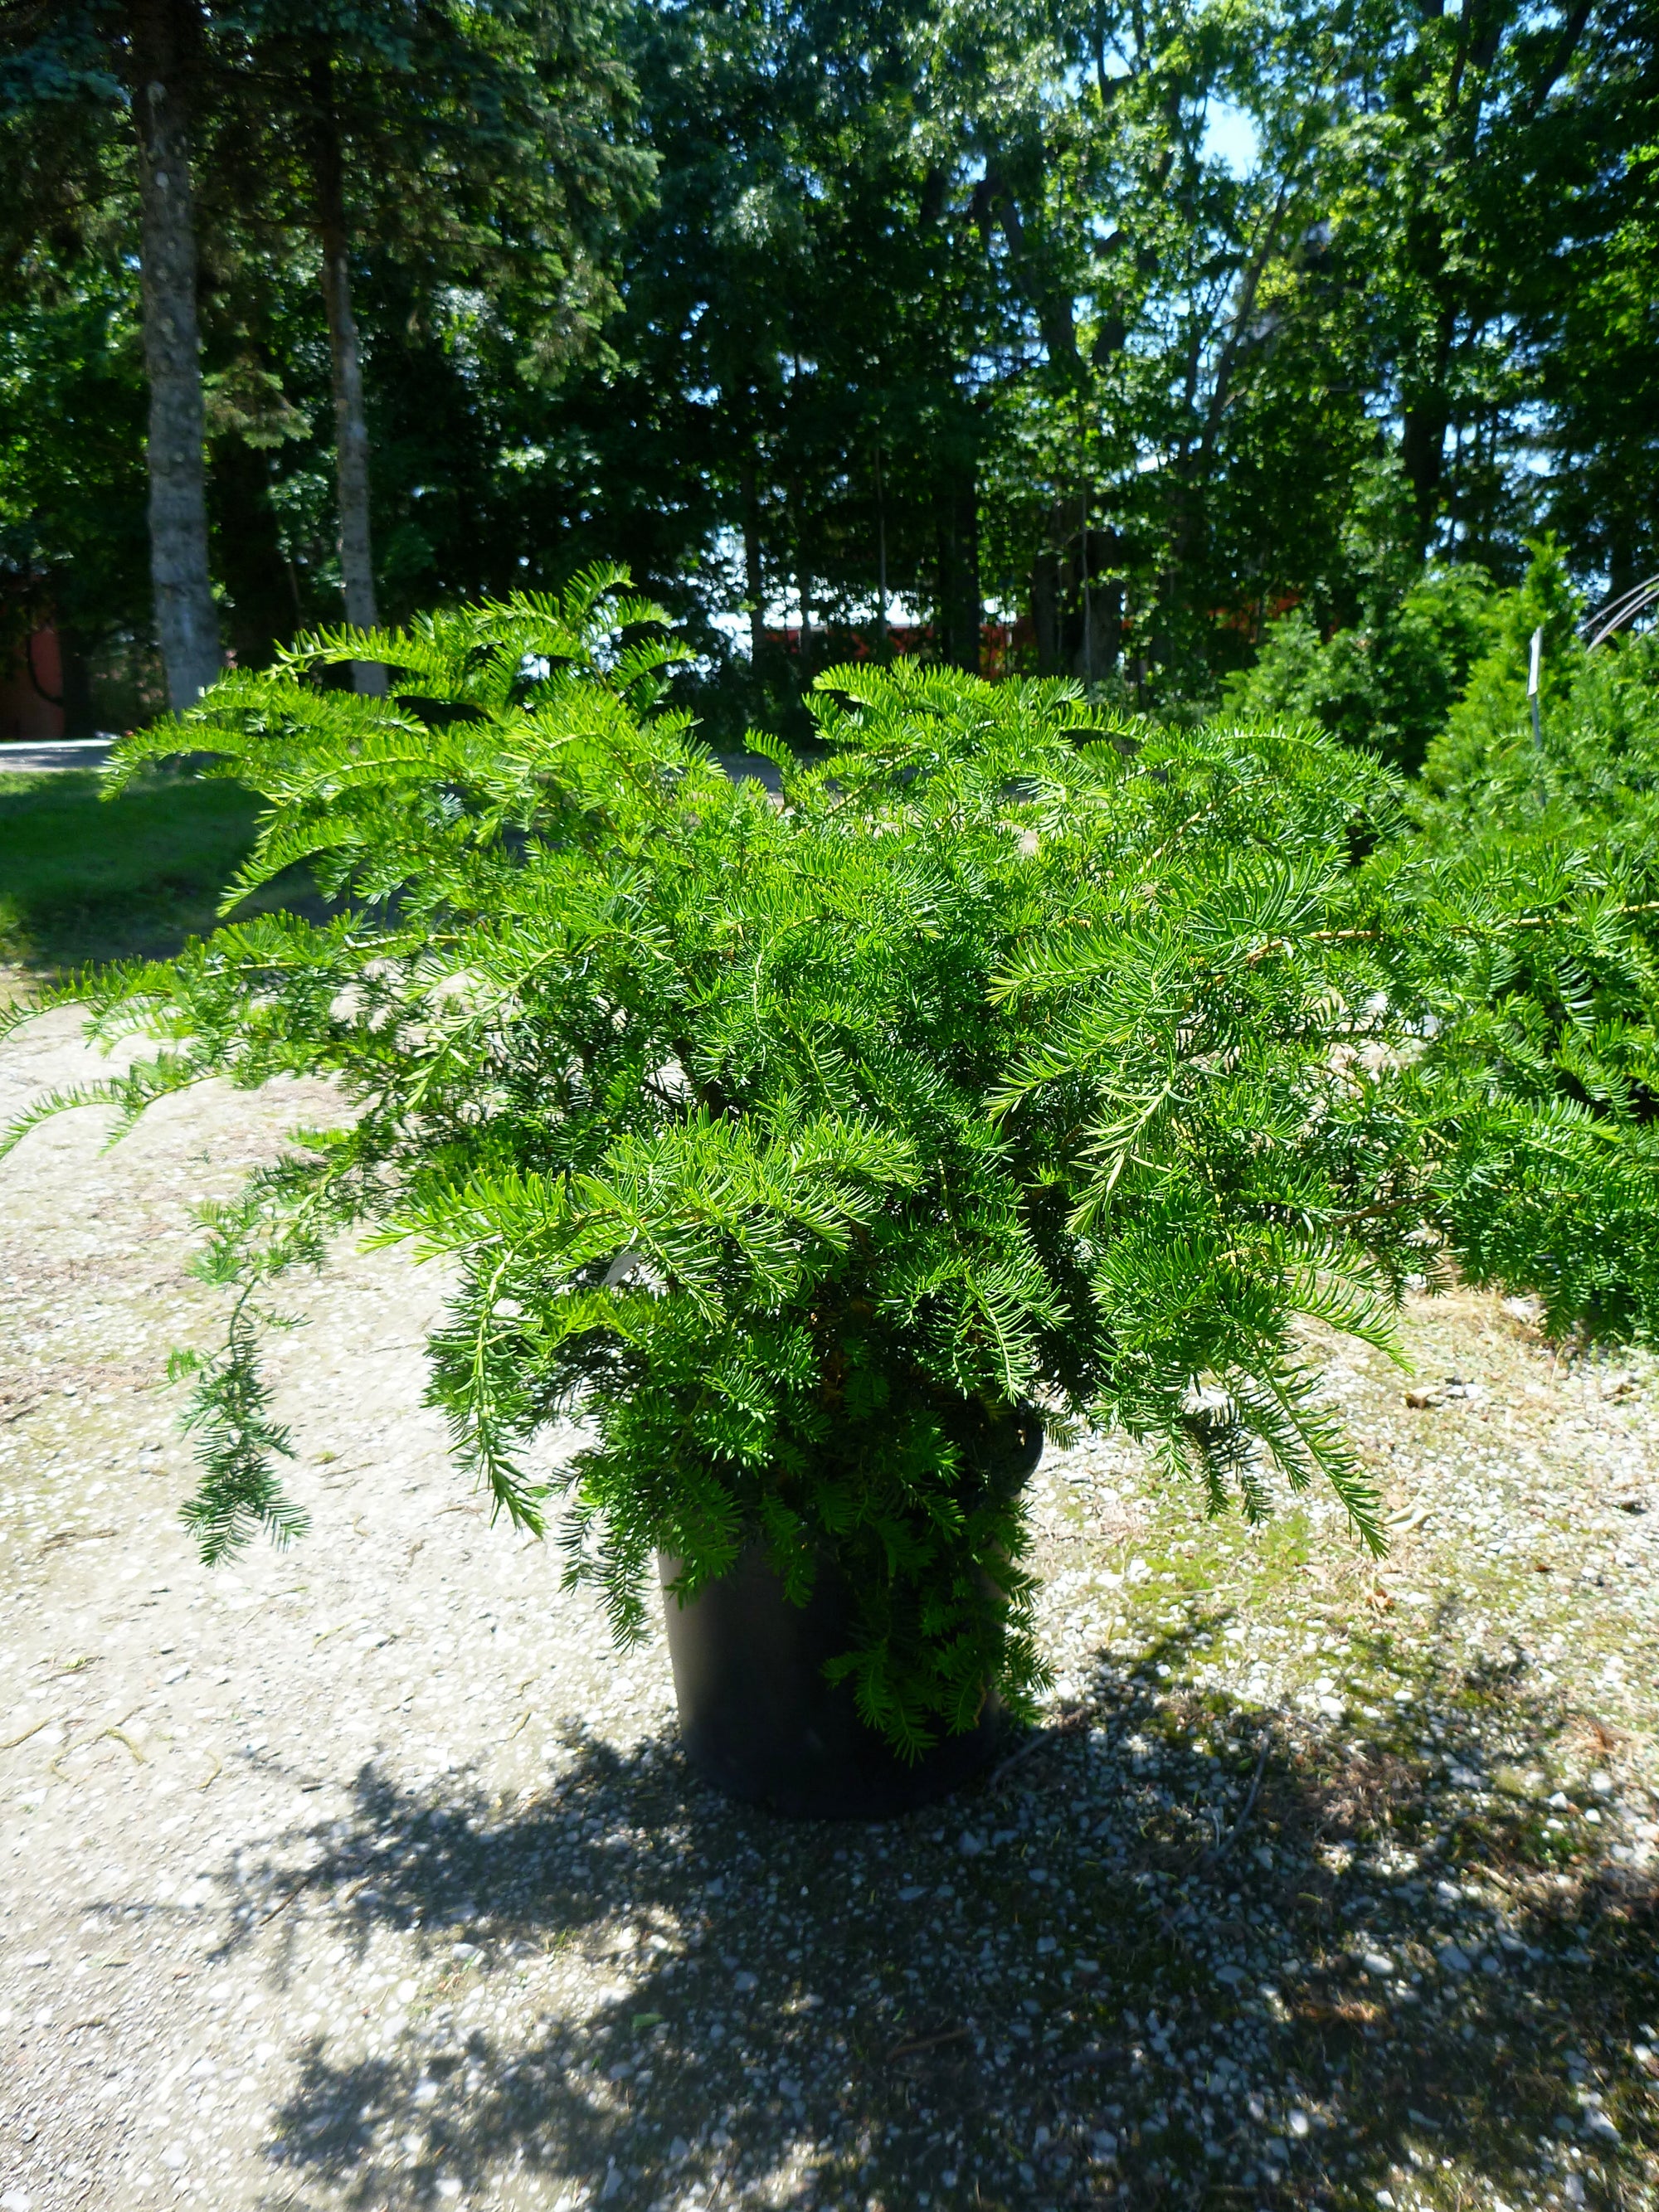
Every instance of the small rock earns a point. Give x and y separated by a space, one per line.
1455 1959
1299 2124
743 1982
1375 1962
1515 1782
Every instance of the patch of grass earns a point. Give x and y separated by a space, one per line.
85 879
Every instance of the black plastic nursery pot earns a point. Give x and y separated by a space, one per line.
758 1719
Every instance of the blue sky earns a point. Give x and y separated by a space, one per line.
1229 137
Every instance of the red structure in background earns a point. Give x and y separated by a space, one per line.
23 712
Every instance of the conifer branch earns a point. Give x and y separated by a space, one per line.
793 1149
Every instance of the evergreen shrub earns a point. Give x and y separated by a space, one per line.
792 1141
1592 773
1388 682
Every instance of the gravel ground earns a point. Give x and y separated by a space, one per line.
368 1874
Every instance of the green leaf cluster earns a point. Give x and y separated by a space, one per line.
792 1142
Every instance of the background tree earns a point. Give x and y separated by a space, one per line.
160 41
484 147
1584 242
803 310
463 167
73 541
1137 326
73 534
70 73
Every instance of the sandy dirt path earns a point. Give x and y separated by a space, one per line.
367 1874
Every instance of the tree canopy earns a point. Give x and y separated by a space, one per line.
1126 329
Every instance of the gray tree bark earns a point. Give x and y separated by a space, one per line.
350 418
186 619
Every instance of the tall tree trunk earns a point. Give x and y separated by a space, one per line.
1100 613
79 719
1423 454
1048 586
186 620
1427 412
883 632
1045 610
803 589
754 580
956 513
350 421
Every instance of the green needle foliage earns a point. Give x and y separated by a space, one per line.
793 1144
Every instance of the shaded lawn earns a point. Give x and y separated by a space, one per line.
83 879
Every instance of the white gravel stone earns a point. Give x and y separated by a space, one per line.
392 1888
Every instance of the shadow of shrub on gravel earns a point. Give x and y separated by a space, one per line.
1181 1953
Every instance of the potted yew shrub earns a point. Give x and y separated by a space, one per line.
818 1150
